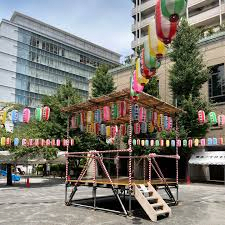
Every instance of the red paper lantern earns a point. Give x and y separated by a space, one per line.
122 108
48 142
31 142
137 128
58 142
166 30
8 141
190 143
36 142
142 114
221 120
42 142
26 115
201 116
45 113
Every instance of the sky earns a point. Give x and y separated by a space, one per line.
103 22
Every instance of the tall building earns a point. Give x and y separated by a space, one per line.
35 58
199 13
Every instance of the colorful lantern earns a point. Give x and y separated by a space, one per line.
103 129
45 113
196 142
151 127
122 108
149 115
72 122
152 143
202 142
53 143
138 141
166 122
201 116
134 142
26 115
157 48
170 123
220 141
166 30
221 120
135 112
15 116
98 116
150 61
8 141
114 111
178 143
97 128
173 143
142 142
3 115
137 128
38 113
162 143
212 118
173 9
36 142
142 114
42 142
24 142
90 117
48 142
190 143
31 142
106 113
155 118
214 141
122 130
143 127
72 142
167 143
108 131
210 141
58 142
157 143
16 141
2 141
185 143
147 143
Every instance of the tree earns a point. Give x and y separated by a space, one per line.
152 87
102 82
187 75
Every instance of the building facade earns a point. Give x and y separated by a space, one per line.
199 13
35 58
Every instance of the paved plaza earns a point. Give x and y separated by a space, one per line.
43 203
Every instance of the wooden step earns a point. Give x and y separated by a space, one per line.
151 198
157 205
161 212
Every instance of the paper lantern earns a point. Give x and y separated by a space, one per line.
48 142
152 143
166 122
90 117
146 143
106 113
2 141
58 142
30 142
157 47
97 128
122 108
38 114
8 141
108 131
210 141
170 123
143 127
72 122
167 143
16 141
157 143
72 142
42 142
3 115
149 115
212 118
134 142
53 143
138 141
142 142
135 112
221 120
26 115
137 87
173 9
122 130
24 142
178 143
114 111
98 116
173 143
155 118
137 128
214 141
113 131
185 143
141 79
66 142
162 143
220 141
150 61
103 129
190 143
196 142
15 116
142 114
151 127
45 113
166 30
36 142
201 116
202 142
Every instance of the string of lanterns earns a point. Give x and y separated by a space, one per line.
161 31
36 142
179 143
144 120
212 118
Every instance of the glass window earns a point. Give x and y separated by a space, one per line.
217 83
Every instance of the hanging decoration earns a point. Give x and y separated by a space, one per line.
221 120
45 113
201 116
38 114
212 118
15 116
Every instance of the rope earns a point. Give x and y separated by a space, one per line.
94 170
150 170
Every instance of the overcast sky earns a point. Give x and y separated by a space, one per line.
104 22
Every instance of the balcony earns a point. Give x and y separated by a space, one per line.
205 18
138 42
141 24
144 6
199 3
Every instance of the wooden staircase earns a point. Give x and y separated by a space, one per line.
151 201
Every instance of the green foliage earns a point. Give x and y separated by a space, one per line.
102 82
152 87
188 72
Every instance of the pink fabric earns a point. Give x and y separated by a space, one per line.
138 88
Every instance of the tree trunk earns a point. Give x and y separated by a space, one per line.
9 174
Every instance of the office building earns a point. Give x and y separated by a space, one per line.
35 58
200 13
